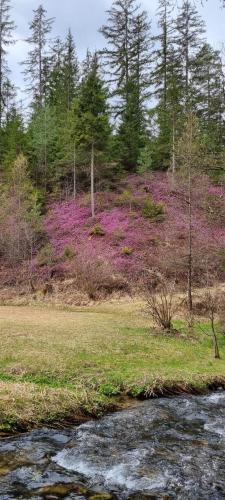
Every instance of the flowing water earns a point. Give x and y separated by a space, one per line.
161 449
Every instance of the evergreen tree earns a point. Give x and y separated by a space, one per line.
55 95
175 56
62 89
42 139
166 78
190 30
86 64
9 95
127 57
91 121
118 35
7 27
169 115
208 94
64 73
14 142
35 65
70 70
162 53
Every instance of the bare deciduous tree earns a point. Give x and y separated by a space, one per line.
189 157
211 309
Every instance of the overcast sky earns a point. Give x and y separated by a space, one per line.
84 17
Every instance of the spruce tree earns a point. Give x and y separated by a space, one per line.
127 58
166 77
133 119
42 139
9 97
169 117
164 43
64 73
55 95
70 70
35 64
91 121
62 89
208 94
190 30
118 34
7 27
14 139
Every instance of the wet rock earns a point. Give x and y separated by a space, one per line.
165 449
62 490
101 496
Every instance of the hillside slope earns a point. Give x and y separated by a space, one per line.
141 226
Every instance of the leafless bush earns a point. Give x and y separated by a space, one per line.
95 277
162 304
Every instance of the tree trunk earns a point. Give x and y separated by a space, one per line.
165 48
40 76
92 180
190 253
1 69
45 150
74 173
215 341
187 58
216 347
173 148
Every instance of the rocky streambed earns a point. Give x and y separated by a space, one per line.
161 449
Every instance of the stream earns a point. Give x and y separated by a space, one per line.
160 449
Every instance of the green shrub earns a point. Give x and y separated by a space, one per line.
145 162
97 230
46 256
69 252
127 251
153 211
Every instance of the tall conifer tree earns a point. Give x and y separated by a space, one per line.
70 70
91 125
40 28
190 30
127 57
7 27
208 94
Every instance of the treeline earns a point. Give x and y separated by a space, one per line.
121 109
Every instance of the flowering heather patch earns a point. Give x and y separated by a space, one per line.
152 243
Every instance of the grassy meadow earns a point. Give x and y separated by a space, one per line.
59 364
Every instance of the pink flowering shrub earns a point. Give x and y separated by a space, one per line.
155 244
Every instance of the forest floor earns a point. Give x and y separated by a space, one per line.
62 365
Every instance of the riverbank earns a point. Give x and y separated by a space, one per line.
63 365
